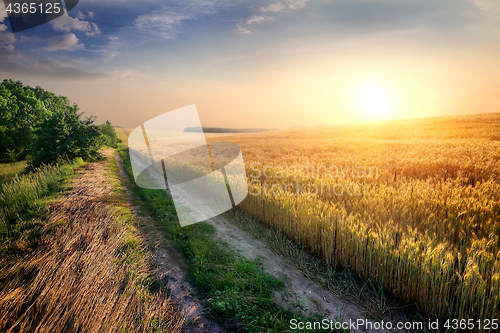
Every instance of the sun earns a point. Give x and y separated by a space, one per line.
374 101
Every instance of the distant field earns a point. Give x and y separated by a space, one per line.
218 130
9 170
124 132
412 205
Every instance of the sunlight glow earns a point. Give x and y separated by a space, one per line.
374 101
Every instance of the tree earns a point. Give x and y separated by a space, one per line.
109 135
8 107
20 114
66 134
33 120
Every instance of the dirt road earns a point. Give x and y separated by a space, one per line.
302 293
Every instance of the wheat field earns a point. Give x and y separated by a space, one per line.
412 205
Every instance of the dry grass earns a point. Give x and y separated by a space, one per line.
123 133
427 226
90 273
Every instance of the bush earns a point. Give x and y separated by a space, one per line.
65 134
109 135
22 110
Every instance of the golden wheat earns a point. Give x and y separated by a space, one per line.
421 219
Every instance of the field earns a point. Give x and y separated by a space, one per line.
413 206
9 170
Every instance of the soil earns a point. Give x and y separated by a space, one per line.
310 295
303 293
168 268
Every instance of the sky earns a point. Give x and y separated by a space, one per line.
264 64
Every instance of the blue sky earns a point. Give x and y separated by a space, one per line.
263 63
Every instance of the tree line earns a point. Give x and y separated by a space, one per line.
41 127
226 130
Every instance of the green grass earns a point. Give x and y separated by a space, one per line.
340 281
9 170
23 196
236 292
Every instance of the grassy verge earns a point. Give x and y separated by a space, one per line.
156 313
9 170
93 274
25 197
236 292
339 280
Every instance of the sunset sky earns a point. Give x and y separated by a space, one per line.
273 64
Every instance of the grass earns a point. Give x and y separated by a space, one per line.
122 134
137 261
425 228
93 271
24 196
236 292
9 170
340 282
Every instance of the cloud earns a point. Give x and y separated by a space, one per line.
7 54
274 8
7 38
127 74
67 24
167 22
487 5
272 12
3 13
84 15
81 15
67 42
163 24
256 19
296 4
290 5
242 30
490 9
36 65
